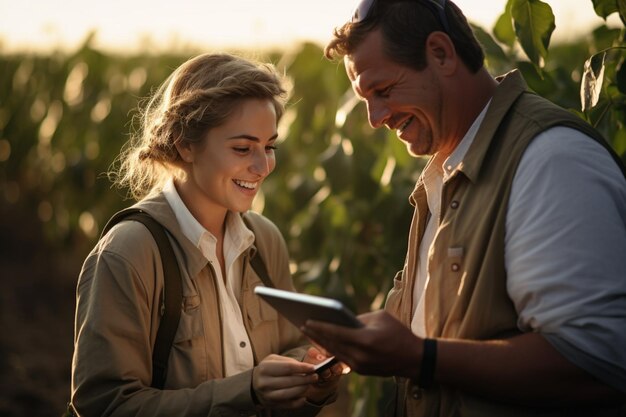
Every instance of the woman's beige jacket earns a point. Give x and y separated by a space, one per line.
117 317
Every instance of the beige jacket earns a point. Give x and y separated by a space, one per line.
117 317
466 297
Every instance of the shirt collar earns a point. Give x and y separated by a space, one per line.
191 228
454 162
237 234
239 237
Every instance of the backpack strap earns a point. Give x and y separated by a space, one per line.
257 260
172 292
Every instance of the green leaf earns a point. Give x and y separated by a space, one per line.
503 30
591 84
605 37
534 24
604 8
538 80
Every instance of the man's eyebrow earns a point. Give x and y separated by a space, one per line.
252 138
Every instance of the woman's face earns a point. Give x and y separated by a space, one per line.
226 169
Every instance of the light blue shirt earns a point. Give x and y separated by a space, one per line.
565 250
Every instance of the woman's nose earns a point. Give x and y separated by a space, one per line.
262 164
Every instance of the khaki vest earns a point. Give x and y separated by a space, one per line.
466 295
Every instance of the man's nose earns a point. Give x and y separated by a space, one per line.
377 114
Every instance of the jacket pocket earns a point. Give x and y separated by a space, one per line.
257 310
190 325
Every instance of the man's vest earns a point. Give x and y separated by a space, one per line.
466 296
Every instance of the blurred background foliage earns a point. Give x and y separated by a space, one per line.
339 193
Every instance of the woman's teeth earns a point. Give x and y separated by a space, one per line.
245 184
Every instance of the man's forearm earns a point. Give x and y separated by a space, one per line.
524 369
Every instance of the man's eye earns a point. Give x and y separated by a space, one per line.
385 92
270 148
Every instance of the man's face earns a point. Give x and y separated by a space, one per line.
397 96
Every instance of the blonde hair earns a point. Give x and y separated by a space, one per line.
199 95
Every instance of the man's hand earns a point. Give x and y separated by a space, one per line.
282 382
523 369
382 347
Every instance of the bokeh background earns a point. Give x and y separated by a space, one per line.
71 76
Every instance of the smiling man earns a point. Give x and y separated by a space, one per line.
512 299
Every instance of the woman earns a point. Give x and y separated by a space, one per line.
207 144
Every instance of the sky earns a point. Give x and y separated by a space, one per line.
130 25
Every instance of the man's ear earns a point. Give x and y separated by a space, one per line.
441 53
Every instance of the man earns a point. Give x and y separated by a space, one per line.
512 299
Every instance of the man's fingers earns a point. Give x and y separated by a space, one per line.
330 337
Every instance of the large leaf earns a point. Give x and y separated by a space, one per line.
604 8
591 84
534 23
503 30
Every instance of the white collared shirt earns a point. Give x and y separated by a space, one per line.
238 238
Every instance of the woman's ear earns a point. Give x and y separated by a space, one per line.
185 151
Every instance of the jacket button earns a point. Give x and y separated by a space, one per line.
455 267
454 204
242 344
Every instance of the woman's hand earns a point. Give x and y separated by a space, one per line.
282 382
326 387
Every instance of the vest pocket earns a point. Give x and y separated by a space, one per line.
455 257
395 294
454 266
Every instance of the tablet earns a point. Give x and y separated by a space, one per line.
298 308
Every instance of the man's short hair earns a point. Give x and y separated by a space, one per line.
405 25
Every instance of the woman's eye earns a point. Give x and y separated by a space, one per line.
241 149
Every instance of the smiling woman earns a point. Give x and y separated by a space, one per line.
205 147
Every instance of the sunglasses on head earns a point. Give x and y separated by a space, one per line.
437 6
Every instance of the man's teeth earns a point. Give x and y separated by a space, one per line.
245 184
405 124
